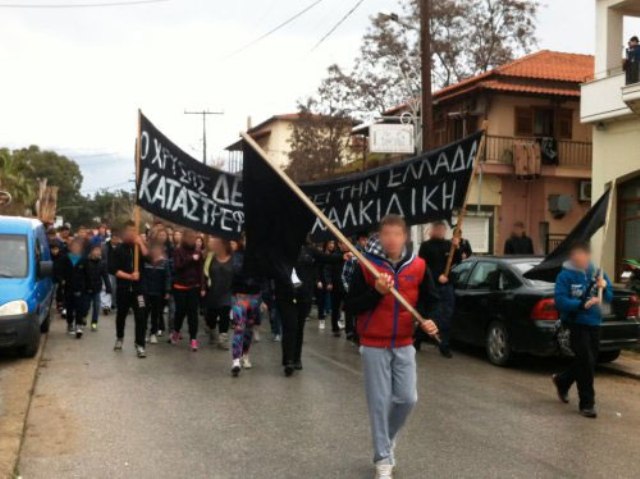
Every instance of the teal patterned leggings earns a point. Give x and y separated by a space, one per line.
245 311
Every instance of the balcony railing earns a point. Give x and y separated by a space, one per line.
571 154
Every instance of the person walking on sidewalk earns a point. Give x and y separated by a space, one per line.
435 251
386 333
218 273
156 286
96 276
129 295
576 297
73 278
188 265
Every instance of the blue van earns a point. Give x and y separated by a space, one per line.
26 284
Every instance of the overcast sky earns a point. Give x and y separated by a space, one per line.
73 79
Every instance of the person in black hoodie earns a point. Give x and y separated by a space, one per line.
188 271
435 252
335 287
97 276
128 290
519 243
72 277
156 286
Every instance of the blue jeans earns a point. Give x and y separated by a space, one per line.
95 304
445 312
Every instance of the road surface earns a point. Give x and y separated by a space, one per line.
98 414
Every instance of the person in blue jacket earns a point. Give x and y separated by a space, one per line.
576 298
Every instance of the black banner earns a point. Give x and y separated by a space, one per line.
180 189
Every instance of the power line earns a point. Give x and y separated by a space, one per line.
275 29
80 5
337 25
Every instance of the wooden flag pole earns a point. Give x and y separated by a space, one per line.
334 230
457 232
605 233
136 208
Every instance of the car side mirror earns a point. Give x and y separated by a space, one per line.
45 269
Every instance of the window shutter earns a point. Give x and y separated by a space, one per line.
565 124
524 122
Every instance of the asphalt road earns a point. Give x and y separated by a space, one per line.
177 414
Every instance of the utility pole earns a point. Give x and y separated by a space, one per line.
427 98
204 114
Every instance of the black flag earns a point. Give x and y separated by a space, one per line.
583 231
276 220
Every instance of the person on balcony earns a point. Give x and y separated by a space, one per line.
519 243
632 61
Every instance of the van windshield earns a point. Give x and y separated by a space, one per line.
13 256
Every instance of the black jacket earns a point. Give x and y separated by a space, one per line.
97 276
123 261
73 278
519 245
155 278
435 252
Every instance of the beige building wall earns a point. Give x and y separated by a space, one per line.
276 144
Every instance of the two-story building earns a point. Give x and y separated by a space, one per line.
611 106
537 164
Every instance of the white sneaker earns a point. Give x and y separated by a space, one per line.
341 323
277 338
246 363
321 324
384 471
118 345
141 352
235 368
153 339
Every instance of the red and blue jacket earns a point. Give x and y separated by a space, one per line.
382 321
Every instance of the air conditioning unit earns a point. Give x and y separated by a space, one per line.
559 205
584 193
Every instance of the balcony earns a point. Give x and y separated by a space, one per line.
573 155
602 100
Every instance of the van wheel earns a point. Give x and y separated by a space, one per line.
31 349
44 327
497 344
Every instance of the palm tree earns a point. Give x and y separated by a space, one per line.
14 181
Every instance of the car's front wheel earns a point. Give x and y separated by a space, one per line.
497 344
608 356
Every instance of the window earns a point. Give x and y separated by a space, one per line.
508 281
484 276
564 117
543 122
524 122
460 274
13 256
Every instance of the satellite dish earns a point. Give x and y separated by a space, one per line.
406 118
5 198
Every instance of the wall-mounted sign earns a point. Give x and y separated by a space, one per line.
392 139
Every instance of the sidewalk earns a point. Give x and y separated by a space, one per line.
628 365
17 378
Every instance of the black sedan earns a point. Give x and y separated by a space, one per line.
500 309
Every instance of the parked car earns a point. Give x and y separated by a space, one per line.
500 309
26 285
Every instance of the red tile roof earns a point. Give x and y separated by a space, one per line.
542 73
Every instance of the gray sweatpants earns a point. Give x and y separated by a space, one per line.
390 385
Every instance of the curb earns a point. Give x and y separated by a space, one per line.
612 369
14 455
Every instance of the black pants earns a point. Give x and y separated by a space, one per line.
337 296
187 302
218 317
76 305
126 300
585 341
321 299
155 310
294 311
350 326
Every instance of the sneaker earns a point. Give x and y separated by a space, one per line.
446 353
589 412
562 395
236 368
160 333
71 329
246 362
321 324
384 471
94 327
79 332
297 365
341 323
288 370
194 345
256 336
277 338
174 337
141 352
118 345
223 341
153 339
105 311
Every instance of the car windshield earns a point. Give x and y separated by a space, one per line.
13 256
